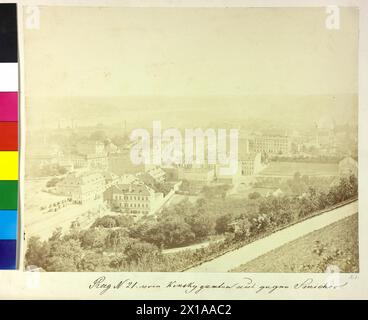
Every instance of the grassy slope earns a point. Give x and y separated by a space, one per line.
300 256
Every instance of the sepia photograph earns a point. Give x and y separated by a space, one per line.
190 139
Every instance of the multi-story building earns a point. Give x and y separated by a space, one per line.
78 160
82 187
96 161
91 161
250 163
270 144
133 198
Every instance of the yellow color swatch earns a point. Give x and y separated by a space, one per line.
8 165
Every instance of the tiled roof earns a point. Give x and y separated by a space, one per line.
132 188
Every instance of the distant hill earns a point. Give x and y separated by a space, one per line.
192 111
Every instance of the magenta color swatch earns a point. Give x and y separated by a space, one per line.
8 106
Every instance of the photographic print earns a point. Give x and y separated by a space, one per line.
192 139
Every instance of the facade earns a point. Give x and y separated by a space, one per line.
91 161
90 155
250 164
77 160
96 161
82 187
133 198
270 144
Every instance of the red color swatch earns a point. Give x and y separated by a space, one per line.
8 136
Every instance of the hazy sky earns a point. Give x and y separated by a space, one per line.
190 52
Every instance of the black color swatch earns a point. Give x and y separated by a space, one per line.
8 33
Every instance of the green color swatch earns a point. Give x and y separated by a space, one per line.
8 194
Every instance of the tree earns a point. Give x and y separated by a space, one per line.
254 195
119 140
171 232
222 223
64 255
93 261
243 228
140 230
202 224
137 251
105 222
93 238
117 238
298 183
305 207
52 182
123 221
56 235
201 203
62 170
37 252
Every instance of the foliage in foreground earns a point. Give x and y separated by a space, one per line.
114 243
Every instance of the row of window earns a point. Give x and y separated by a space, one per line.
118 197
269 149
134 205
138 211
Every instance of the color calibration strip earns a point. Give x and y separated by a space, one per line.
9 160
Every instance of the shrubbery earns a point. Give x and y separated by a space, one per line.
114 243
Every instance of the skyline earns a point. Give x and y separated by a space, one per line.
178 111
190 52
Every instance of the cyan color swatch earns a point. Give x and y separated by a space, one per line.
8 224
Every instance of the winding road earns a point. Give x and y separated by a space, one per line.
233 259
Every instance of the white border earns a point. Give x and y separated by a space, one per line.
25 285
